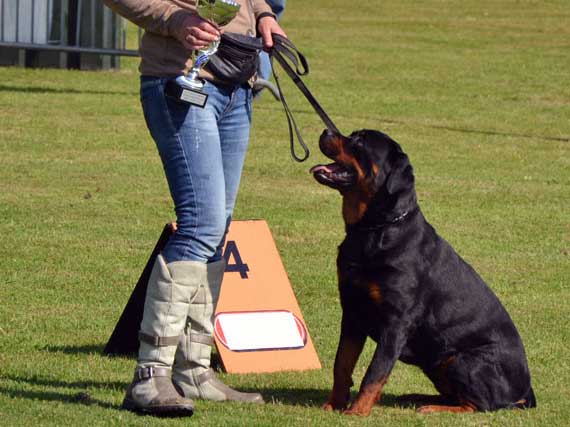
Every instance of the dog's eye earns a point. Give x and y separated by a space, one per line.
357 144
356 140
358 149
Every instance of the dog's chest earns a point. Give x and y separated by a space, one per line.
359 277
359 254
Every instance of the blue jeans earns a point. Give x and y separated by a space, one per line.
202 152
277 6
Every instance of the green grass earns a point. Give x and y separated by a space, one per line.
477 93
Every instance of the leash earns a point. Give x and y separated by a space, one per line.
284 51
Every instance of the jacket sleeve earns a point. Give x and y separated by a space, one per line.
260 6
156 16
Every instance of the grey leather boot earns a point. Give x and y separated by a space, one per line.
170 290
192 374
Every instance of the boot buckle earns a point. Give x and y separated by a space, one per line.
148 372
144 373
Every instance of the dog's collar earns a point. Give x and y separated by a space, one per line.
379 226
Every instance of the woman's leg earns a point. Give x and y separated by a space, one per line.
192 373
189 145
234 127
188 141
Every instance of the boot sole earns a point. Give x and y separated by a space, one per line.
164 411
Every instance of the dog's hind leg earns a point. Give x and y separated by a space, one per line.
484 379
440 378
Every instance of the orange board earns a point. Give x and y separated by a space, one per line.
255 282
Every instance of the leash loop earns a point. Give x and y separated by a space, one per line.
286 53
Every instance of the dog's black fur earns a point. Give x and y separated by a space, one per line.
405 287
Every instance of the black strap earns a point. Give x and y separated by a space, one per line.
284 51
363 227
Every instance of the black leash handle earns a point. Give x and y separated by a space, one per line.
284 51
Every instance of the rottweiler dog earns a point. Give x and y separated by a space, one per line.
405 287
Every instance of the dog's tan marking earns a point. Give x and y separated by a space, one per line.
461 409
375 293
366 399
354 203
353 207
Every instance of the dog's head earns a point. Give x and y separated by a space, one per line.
371 172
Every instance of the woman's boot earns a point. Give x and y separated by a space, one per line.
192 372
171 287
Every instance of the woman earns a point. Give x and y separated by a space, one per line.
202 151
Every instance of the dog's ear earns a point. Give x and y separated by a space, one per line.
401 175
400 183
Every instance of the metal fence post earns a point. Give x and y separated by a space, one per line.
61 33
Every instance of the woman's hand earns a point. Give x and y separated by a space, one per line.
196 33
266 26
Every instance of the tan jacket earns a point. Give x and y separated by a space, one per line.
161 54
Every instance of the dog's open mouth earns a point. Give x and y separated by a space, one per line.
334 175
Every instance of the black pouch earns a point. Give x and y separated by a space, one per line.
237 58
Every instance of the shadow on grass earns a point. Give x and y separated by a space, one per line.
48 382
317 397
74 349
308 398
68 91
82 398
305 397
293 396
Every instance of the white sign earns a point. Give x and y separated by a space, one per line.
260 330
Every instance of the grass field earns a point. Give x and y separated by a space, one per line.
477 93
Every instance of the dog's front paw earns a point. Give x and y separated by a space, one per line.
335 404
332 406
361 412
